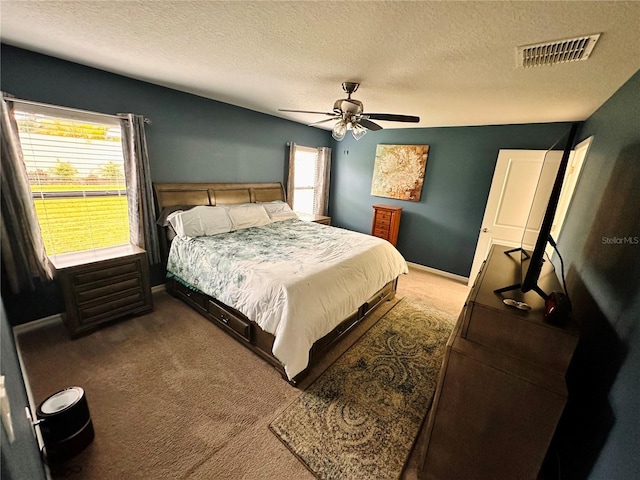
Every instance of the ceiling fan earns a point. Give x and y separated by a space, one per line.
350 115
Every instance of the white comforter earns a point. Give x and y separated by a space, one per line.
297 280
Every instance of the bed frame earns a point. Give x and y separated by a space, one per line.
230 320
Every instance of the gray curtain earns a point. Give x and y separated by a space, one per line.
23 253
292 172
323 174
142 211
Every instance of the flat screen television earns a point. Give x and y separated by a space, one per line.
531 264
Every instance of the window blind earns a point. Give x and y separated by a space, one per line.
76 172
305 179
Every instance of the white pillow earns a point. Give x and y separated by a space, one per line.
248 215
279 211
201 221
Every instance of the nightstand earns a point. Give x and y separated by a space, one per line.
308 217
103 285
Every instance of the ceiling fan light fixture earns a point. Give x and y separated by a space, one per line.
358 131
339 130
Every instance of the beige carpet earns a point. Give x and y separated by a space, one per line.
173 397
359 419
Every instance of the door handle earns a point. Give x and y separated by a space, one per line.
485 229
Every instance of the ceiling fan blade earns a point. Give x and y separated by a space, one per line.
370 125
306 111
323 121
390 117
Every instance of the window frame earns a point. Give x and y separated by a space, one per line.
315 187
81 117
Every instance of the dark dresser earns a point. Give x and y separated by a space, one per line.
502 389
103 285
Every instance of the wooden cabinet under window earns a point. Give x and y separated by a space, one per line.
502 387
386 222
103 285
310 217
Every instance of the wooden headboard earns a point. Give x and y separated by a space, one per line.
193 194
172 194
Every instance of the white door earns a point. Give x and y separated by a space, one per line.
568 186
512 192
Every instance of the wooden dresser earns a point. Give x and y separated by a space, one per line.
103 285
386 222
502 387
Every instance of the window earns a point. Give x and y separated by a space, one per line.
75 166
304 183
309 179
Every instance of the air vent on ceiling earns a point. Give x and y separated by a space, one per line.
560 51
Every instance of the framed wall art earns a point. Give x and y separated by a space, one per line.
398 171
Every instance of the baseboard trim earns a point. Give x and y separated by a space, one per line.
43 322
36 324
442 273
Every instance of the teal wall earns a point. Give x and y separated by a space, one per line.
602 423
441 230
191 138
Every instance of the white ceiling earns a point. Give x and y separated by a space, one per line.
451 63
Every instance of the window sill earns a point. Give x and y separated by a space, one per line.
90 256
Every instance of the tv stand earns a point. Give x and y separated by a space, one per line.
518 286
519 249
501 389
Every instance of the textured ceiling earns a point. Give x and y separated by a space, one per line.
451 63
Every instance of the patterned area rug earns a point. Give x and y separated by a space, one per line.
360 418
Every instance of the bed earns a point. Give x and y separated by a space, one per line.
287 289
